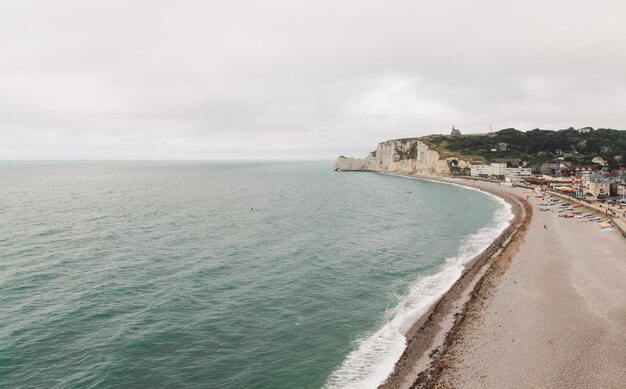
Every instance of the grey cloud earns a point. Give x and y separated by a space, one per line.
289 79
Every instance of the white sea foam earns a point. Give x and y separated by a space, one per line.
374 356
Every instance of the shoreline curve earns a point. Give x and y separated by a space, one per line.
432 334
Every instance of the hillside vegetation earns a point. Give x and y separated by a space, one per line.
536 146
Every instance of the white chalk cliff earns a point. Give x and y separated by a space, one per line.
406 156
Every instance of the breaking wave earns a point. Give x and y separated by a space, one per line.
374 355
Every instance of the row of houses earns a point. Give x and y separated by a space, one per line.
580 181
567 169
597 185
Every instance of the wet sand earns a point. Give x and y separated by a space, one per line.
541 308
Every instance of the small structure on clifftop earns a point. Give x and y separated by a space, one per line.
455 131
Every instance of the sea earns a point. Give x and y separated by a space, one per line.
222 274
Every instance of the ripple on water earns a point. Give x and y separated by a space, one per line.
160 275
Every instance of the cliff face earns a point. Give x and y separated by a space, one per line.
406 156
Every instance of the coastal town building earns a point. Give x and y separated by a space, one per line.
584 170
593 182
621 190
480 170
621 172
599 161
455 132
517 173
551 168
597 189
494 169
556 180
500 170
596 186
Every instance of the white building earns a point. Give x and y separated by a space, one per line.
498 169
599 160
596 186
480 170
517 173
495 169
621 190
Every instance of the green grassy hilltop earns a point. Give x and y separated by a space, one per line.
536 146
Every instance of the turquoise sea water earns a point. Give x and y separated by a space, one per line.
221 275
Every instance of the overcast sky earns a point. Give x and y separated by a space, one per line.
297 79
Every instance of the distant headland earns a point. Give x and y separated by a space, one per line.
571 158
